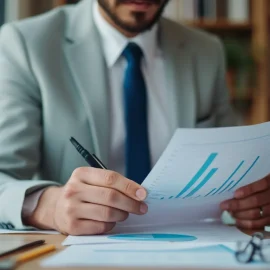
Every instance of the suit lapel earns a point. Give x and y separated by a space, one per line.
180 70
87 65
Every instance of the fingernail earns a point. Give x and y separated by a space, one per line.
141 194
143 208
239 194
225 206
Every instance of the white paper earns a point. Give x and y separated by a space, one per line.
157 246
204 257
204 233
27 232
199 169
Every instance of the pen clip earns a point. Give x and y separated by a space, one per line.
99 162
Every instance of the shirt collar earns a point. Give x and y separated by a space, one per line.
114 42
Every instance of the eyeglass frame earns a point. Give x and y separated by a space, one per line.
256 249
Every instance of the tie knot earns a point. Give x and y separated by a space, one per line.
133 52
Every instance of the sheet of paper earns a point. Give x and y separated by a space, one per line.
199 169
27 232
198 233
206 257
157 246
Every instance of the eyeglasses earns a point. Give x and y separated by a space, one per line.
255 249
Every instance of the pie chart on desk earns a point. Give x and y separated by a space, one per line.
154 237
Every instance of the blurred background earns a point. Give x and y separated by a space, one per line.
243 26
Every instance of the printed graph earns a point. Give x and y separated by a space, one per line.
154 237
206 173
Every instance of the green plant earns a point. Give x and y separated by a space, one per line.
240 65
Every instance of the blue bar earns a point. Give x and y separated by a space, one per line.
227 187
235 171
171 197
203 182
198 174
252 165
210 192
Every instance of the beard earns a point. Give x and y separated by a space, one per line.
141 24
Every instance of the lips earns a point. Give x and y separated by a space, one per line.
139 5
138 2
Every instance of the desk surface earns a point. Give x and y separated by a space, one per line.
56 240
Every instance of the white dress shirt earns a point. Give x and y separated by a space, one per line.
159 127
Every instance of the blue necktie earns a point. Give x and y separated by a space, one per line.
135 106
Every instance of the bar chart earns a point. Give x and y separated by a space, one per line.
206 173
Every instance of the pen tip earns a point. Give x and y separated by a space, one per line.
73 141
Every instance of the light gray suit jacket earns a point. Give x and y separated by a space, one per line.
53 85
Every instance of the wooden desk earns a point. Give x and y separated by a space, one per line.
56 240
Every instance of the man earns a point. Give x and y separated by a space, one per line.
119 79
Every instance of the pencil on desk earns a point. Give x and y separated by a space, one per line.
34 253
26 256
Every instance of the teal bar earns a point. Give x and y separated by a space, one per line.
210 192
227 187
227 181
171 197
252 165
204 181
197 176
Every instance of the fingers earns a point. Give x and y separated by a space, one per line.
87 227
253 214
253 188
112 180
253 224
99 213
254 201
106 197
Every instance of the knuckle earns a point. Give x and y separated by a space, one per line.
112 196
111 178
69 190
250 225
108 213
128 187
255 200
70 209
77 172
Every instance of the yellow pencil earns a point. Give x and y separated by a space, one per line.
26 256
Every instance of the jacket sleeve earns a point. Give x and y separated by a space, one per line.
20 127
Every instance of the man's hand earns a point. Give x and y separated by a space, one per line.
91 202
251 205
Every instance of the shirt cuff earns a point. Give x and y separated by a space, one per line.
30 203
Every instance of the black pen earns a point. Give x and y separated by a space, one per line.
92 160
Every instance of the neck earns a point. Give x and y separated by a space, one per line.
117 27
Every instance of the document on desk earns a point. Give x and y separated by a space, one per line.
196 233
199 169
211 256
